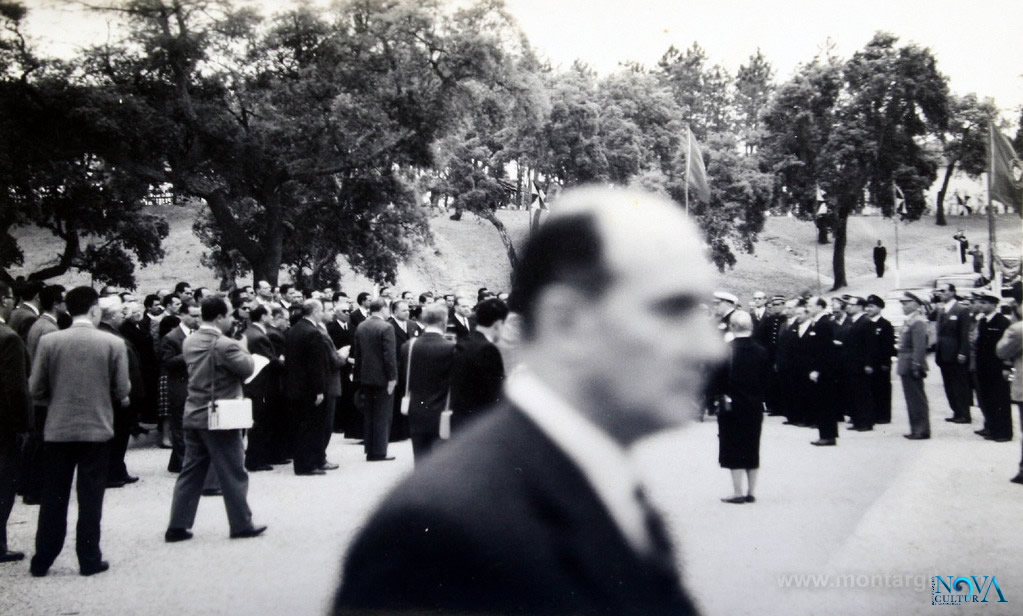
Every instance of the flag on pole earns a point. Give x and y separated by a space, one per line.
696 172
1006 170
900 200
822 208
539 198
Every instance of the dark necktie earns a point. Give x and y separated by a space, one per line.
661 551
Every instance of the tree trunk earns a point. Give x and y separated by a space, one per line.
505 238
838 257
940 205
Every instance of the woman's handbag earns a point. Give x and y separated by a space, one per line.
228 413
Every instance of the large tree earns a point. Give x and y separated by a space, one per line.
964 142
66 167
299 134
896 100
753 89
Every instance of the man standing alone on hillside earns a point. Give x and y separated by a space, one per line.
880 256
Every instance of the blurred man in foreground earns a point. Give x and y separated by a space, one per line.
537 508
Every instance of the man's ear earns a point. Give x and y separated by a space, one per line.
562 313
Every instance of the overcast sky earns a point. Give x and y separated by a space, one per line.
979 45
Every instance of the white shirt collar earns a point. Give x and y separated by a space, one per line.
260 327
403 325
950 304
31 307
604 463
184 329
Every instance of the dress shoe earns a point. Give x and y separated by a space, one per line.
36 570
983 432
882 422
116 483
173 535
1000 439
917 437
735 500
961 420
94 568
129 479
212 492
824 442
379 458
10 556
31 500
329 466
951 419
788 423
281 461
1018 478
255 468
315 471
750 498
255 531
861 429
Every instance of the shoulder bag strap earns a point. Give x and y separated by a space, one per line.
408 372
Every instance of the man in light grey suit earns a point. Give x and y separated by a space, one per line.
78 374
217 365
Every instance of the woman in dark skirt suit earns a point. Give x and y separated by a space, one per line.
737 389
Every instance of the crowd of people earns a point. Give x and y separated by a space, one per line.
537 506
313 364
818 362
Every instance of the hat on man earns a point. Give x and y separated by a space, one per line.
986 296
909 296
725 296
855 300
874 300
841 298
778 298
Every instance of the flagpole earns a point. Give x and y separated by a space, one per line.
895 219
990 206
689 157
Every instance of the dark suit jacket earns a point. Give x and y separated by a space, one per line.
355 318
374 353
857 349
401 337
953 330
514 528
818 352
477 376
988 334
259 344
341 336
429 380
460 331
884 346
173 362
15 405
305 361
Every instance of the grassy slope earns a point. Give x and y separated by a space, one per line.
468 254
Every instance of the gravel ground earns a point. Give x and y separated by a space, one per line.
887 512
